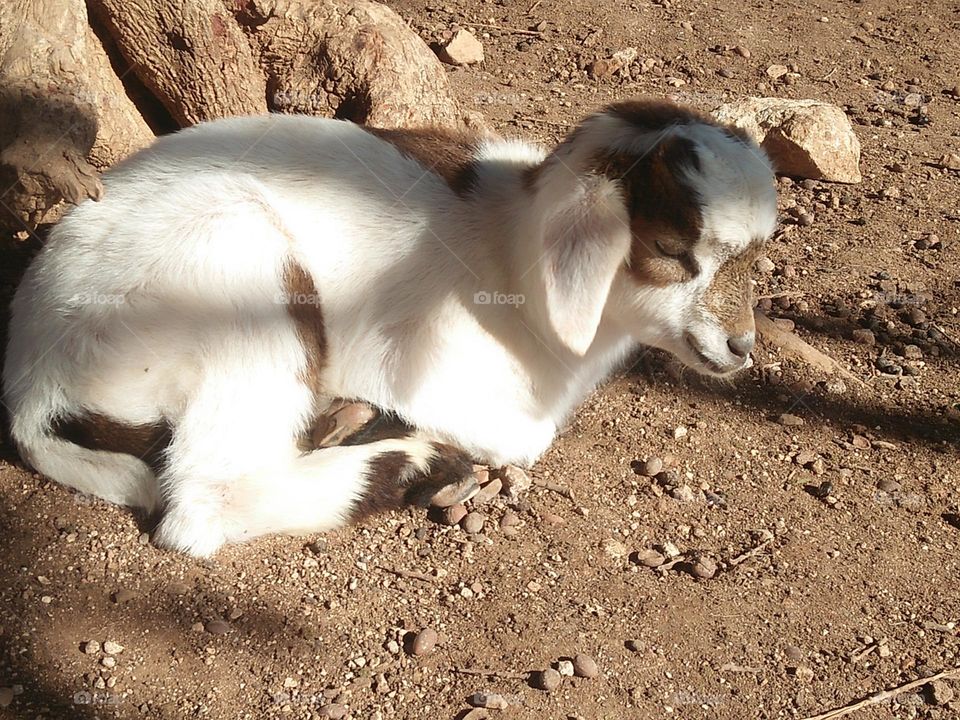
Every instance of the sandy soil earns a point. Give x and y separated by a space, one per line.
854 584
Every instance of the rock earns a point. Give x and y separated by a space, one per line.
683 493
912 352
473 523
453 514
476 714
548 680
804 138
649 558
112 648
614 549
777 71
794 654
864 337
634 645
915 316
653 466
888 486
788 420
424 642
334 711
703 568
742 52
565 668
515 482
765 264
6 697
950 161
803 674
585 666
123 595
91 647
217 627
680 432
462 49
488 492
491 701
938 692
108 661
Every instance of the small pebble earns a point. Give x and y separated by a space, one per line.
454 514
565 668
805 219
585 666
803 674
888 486
614 548
476 714
653 466
108 661
217 627
704 568
491 701
788 420
123 595
765 265
473 523
864 337
742 51
91 647
679 432
424 642
938 692
548 680
112 648
515 482
794 654
649 558
683 493
334 711
634 645
6 697
488 492
915 316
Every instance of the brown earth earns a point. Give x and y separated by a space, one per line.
869 561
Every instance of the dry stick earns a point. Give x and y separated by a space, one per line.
528 118
559 489
534 6
515 31
945 334
883 696
491 673
748 554
408 574
792 344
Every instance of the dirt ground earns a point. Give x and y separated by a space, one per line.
854 586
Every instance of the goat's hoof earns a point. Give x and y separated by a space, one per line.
455 493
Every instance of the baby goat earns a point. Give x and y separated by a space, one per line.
173 344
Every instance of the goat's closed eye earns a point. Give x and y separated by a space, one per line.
672 249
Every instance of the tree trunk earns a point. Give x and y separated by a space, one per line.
79 93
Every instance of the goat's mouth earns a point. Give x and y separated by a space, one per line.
707 363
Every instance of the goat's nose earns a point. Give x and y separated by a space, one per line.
741 345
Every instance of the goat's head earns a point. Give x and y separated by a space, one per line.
657 216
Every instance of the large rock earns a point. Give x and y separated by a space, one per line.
462 49
804 138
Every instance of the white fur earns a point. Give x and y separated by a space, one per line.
165 301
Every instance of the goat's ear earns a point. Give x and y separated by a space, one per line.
585 243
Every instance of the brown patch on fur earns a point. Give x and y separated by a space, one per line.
446 153
303 306
665 213
730 296
394 481
657 114
99 432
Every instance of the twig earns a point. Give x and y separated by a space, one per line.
743 557
733 667
786 293
491 673
670 563
792 344
515 31
527 118
534 6
858 656
408 574
559 489
827 76
943 332
883 696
